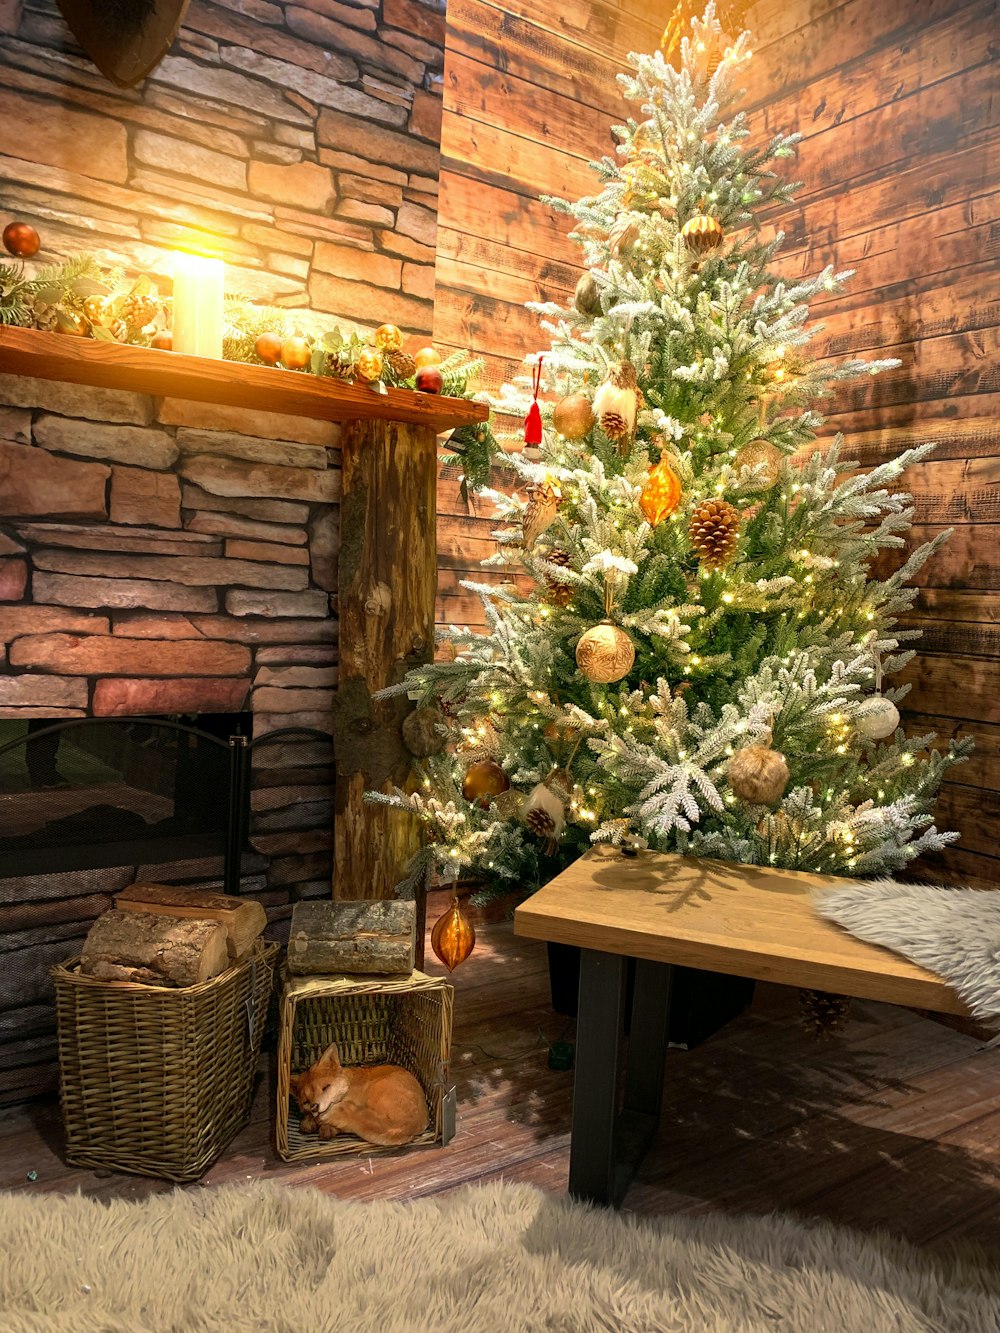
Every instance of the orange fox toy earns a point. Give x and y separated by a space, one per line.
381 1104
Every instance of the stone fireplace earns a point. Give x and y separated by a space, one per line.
163 557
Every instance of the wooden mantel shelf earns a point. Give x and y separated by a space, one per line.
54 356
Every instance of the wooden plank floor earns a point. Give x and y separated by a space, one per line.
894 1124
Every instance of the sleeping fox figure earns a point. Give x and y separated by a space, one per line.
381 1104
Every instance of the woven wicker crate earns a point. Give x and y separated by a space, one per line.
374 1020
155 1080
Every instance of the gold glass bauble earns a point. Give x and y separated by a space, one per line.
573 417
764 455
388 338
453 937
702 234
483 779
661 494
369 364
605 653
758 775
427 356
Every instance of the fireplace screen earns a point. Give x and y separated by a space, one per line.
96 792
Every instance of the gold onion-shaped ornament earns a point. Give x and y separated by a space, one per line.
573 416
661 493
453 937
758 775
540 512
605 653
714 531
702 234
764 455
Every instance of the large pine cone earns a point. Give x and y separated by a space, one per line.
714 532
561 594
823 1013
138 309
402 365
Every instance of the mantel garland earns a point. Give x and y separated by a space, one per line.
83 298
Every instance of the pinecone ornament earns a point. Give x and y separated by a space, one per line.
545 814
616 404
822 1013
540 512
337 368
714 532
119 330
560 594
139 309
46 315
402 365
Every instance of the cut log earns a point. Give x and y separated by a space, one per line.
243 918
154 950
329 938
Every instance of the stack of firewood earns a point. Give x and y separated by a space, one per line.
162 935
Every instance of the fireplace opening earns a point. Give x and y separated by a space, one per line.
93 792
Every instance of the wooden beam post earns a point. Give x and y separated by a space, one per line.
387 590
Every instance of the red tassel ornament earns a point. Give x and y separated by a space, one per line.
533 421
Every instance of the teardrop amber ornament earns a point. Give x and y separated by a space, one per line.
453 937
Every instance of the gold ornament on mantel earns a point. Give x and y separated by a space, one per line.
605 653
573 416
761 454
369 365
758 774
702 234
453 937
388 338
540 512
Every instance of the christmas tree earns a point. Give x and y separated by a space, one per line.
697 659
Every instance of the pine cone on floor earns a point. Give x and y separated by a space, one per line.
714 532
823 1014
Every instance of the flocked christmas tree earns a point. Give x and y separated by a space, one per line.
700 664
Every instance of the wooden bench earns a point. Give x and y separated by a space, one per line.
662 910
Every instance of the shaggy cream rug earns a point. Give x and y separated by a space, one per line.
490 1259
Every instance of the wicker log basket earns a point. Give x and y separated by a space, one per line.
374 1020
157 1080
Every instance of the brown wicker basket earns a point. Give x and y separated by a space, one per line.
157 1080
374 1020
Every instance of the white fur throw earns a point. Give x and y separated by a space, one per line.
953 932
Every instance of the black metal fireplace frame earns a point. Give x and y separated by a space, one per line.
237 828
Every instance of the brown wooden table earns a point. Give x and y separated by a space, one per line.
663 910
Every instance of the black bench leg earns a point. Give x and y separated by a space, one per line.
599 1043
606 1146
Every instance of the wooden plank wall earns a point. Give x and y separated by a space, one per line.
898 104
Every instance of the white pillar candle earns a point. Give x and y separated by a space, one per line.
198 305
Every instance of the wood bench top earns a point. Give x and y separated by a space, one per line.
749 921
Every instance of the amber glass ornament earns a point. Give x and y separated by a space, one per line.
388 338
427 356
605 653
573 417
453 937
714 532
295 353
661 494
702 234
369 364
269 347
483 779
21 240
763 454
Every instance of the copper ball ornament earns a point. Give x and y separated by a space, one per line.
573 416
764 456
388 338
21 240
429 379
295 353
453 937
702 234
369 365
483 779
427 356
268 348
758 775
605 653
